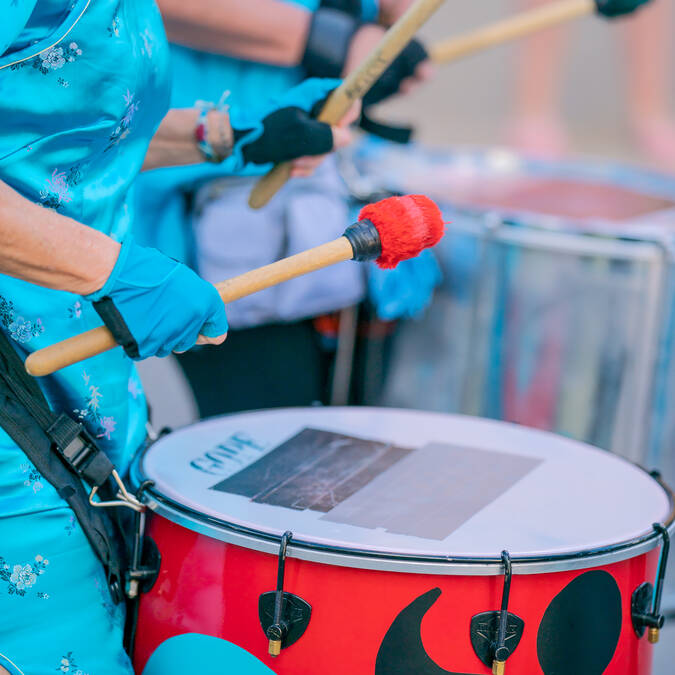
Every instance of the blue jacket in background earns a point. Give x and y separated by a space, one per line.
163 216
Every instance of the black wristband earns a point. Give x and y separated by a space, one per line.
288 133
351 7
116 324
614 8
389 132
330 34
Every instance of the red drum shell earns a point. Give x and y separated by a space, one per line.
210 587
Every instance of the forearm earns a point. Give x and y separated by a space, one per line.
45 248
174 144
266 31
391 10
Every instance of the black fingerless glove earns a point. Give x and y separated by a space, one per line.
330 35
614 8
288 133
351 7
403 66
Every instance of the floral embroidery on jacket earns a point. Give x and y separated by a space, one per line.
91 413
134 387
114 28
114 612
124 127
75 310
70 527
148 42
68 665
58 187
52 59
20 329
34 478
21 578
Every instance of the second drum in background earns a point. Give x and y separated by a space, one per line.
557 308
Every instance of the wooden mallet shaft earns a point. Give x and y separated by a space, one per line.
354 87
510 29
98 340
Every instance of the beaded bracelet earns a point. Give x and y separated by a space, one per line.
202 130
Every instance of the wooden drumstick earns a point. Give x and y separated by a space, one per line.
525 24
354 87
510 29
391 230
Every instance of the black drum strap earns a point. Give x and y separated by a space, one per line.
64 454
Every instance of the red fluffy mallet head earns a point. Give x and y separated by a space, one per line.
406 225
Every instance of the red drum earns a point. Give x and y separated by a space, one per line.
385 542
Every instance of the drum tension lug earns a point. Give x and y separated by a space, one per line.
145 557
495 635
284 617
645 596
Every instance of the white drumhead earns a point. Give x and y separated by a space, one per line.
402 482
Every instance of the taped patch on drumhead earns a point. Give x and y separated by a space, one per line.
428 492
314 470
580 629
433 491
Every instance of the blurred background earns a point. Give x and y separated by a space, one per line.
555 301
471 102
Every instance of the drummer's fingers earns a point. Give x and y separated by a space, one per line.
305 166
203 340
352 115
425 71
342 136
407 86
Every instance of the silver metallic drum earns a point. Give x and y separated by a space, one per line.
557 308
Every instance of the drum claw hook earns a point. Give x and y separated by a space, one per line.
284 616
495 635
124 497
646 595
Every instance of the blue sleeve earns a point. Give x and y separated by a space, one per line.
370 10
14 19
405 291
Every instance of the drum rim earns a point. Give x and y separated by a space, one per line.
239 535
641 180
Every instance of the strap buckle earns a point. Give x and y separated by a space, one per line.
80 451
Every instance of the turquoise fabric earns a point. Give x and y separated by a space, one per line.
78 108
369 10
203 76
405 291
203 654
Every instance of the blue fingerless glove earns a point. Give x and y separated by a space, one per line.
614 8
154 305
284 128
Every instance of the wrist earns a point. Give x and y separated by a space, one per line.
391 10
220 132
213 131
101 263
